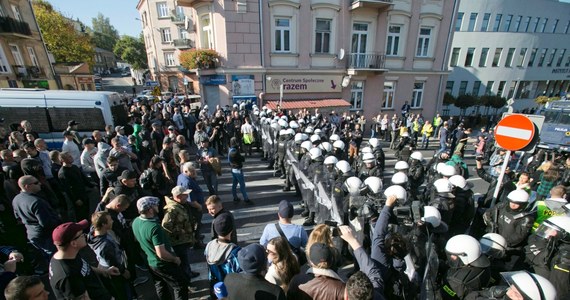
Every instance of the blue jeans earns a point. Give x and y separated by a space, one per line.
237 177
442 147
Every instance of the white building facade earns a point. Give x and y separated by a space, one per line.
500 46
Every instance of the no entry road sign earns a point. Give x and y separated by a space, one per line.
514 132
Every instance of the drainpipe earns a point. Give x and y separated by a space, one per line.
447 46
261 47
55 78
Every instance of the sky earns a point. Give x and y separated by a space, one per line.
122 14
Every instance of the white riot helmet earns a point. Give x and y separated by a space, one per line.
284 118
315 153
343 166
439 167
374 184
442 186
293 124
373 142
326 146
396 190
309 130
307 145
282 123
318 131
283 132
333 138
557 227
365 150
368 158
301 121
401 165
315 138
291 131
273 125
353 185
298 138
530 285
447 170
417 155
433 217
493 245
269 111
460 182
256 112
304 136
467 250
399 178
330 160
242 105
338 145
518 196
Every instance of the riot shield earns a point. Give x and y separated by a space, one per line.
428 287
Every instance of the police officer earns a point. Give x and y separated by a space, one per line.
339 192
293 156
443 200
553 206
339 150
315 174
304 163
521 285
378 153
416 173
369 168
464 205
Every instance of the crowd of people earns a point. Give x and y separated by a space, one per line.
419 233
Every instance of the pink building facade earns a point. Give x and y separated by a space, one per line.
309 53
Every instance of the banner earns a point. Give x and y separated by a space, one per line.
305 83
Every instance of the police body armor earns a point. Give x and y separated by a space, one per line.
364 173
464 212
380 158
292 158
280 156
510 223
340 196
445 205
416 176
315 174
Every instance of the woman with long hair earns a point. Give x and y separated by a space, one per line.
322 233
284 264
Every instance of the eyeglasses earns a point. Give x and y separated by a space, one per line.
269 252
81 235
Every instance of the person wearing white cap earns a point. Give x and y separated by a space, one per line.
464 211
444 200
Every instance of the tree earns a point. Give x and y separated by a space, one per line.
103 34
199 59
498 102
465 101
132 51
448 99
485 100
62 40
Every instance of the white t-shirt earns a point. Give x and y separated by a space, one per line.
246 128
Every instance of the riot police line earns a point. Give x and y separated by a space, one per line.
442 242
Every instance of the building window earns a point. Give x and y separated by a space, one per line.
507 25
497 57
393 43
18 59
356 94
483 58
182 33
510 55
476 88
469 57
454 57
169 59
33 57
522 55
517 24
567 64
534 24
542 25
512 89
423 42
162 9
566 27
282 35
323 36
449 86
472 21
180 12
501 88
542 56
417 95
551 58
561 57
489 87
4 66
485 23
532 57
17 14
497 24
554 26
2 13
463 87
206 37
459 21
166 36
389 92
526 24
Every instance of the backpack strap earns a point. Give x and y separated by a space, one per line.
282 234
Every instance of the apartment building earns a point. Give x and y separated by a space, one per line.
358 55
24 60
512 48
168 29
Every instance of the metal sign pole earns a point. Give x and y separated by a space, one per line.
501 176
280 94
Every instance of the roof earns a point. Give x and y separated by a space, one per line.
315 103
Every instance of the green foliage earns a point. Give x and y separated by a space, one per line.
464 101
132 50
65 43
498 101
199 58
103 34
485 100
448 99
541 100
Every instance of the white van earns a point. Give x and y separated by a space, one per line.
50 110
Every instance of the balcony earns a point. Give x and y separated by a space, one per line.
183 43
28 72
12 26
374 4
365 62
178 19
191 3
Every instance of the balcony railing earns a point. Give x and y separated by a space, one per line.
366 61
177 19
382 4
27 72
11 25
183 43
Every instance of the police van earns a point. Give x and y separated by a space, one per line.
49 111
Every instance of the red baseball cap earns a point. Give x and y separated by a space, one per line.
65 233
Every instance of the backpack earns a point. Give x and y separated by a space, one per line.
301 255
217 273
145 180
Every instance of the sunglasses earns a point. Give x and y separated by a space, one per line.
81 235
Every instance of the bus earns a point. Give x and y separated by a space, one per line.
555 134
49 111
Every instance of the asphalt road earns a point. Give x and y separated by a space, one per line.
265 191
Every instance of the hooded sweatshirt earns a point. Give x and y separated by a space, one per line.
108 251
221 259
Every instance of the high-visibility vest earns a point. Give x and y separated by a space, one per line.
543 213
436 121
